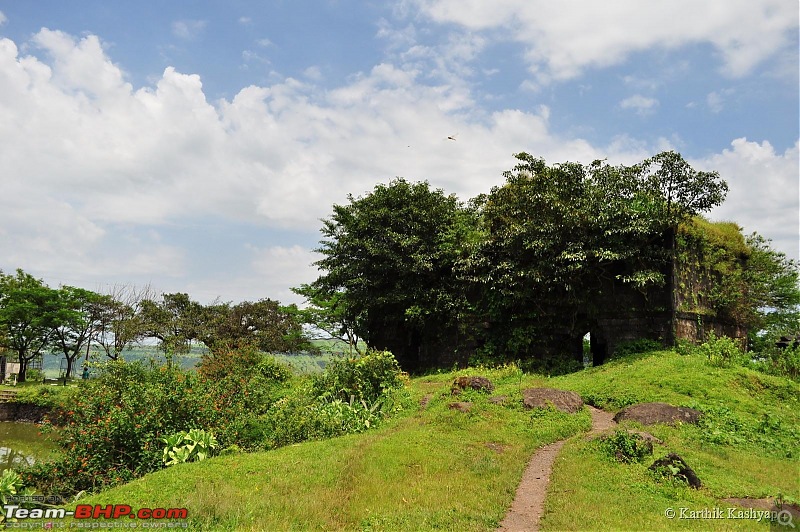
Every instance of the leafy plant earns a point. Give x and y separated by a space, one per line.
193 446
115 425
364 378
720 351
627 447
11 486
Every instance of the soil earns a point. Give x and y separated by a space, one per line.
528 505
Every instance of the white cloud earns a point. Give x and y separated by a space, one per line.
3 18
91 163
565 38
641 104
764 190
188 29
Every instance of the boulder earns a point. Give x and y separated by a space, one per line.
563 400
481 384
650 413
673 465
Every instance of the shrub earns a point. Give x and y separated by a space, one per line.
240 386
783 362
633 347
720 351
115 427
365 378
627 447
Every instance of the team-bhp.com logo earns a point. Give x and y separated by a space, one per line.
96 511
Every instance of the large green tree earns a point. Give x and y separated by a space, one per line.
389 268
28 310
559 238
174 320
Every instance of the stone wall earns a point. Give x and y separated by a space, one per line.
23 412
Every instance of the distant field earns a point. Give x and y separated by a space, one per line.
301 362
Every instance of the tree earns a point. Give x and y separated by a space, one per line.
559 238
28 310
78 317
120 323
389 261
175 321
264 324
327 317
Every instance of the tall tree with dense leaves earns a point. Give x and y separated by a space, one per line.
560 238
389 263
28 310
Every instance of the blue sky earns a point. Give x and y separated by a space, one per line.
194 146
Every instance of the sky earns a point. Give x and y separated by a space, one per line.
195 146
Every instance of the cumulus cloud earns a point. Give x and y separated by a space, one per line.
3 18
96 171
764 190
565 38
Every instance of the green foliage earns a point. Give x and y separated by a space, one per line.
389 261
193 446
240 386
352 395
28 310
633 347
58 397
115 426
11 485
558 238
265 325
721 351
627 447
364 378
770 433
776 361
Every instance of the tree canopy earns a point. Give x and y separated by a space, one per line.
532 262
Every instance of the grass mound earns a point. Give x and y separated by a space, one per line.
436 468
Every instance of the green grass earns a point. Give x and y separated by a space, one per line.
747 446
435 468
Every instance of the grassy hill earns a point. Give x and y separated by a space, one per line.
435 468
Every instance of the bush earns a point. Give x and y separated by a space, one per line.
633 347
115 427
365 378
241 386
783 362
721 351
352 395
48 396
627 447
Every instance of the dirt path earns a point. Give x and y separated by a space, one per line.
528 505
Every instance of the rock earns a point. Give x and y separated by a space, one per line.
673 465
481 384
461 406
563 400
498 399
650 413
